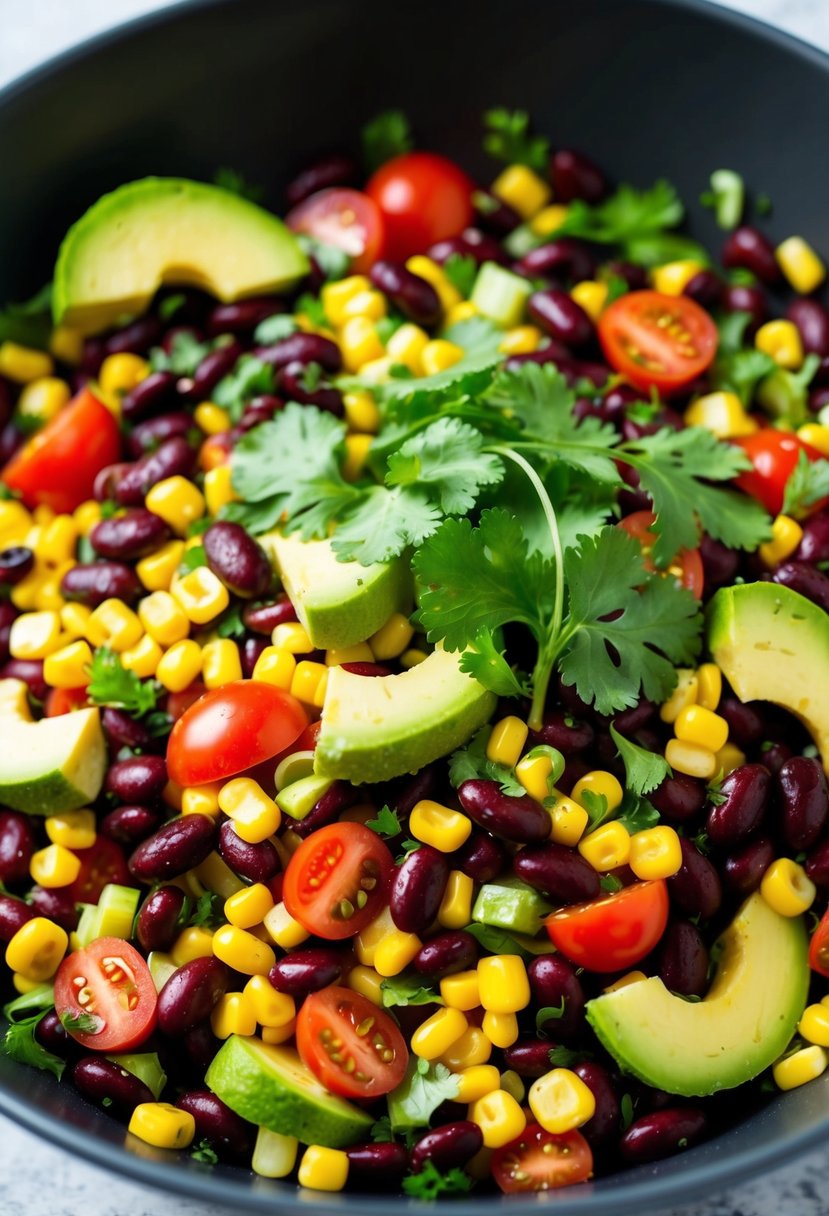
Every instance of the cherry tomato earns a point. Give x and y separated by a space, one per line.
819 948
230 729
102 863
423 198
538 1160
774 455
686 567
215 451
58 466
613 933
344 218
370 1056
336 881
657 341
109 981
62 701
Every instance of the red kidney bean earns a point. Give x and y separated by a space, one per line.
561 317
149 396
662 1133
743 871
14 914
109 1085
130 535
746 791
606 1120
175 458
746 726
292 384
50 1033
255 862
719 563
5 402
335 169
683 960
337 798
471 243
250 652
122 730
737 297
138 779
136 338
8 614
417 888
635 276
814 544
575 176
404 794
696 887
190 993
303 349
200 1045
157 925
57 904
803 798
408 292
529 1057
482 857
446 954
553 980
236 558
176 847
805 579
448 1147
147 436
304 971
812 321
264 618
93 582
15 563
243 316
632 430
705 288
818 397
817 865
257 413
564 732
30 671
213 368
558 872
748 249
92 357
229 1135
370 670
10 440
520 819
377 1164
630 721
17 844
129 825
493 215
564 260
679 798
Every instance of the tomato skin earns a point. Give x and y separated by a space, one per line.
347 219
774 455
230 729
538 1160
636 342
123 1028
819 948
686 567
62 701
423 198
102 863
612 933
359 856
58 466
341 1011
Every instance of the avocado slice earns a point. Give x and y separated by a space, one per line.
741 1027
374 728
339 603
168 230
270 1086
50 766
772 644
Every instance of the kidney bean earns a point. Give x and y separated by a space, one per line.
561 317
15 563
471 243
409 293
705 288
213 368
236 558
666 417
630 721
529 1057
262 409
243 316
805 579
229 1135
746 791
812 321
743 871
804 801
606 1120
14 914
57 904
448 1147
719 563
417 888
737 297
337 798
564 732
30 671
369 670
564 260
250 651
200 1045
190 993
92 357
255 862
17 844
8 614
814 544
575 176
157 925
817 865
749 249
122 730
493 215
553 980
377 1163
138 779
109 1085
149 396
482 857
304 971
696 887
50 1033
334 169
520 819
446 954
263 618
176 847
292 384
558 872
10 440
147 436
175 458
5 402
129 825
818 398
662 1133
105 483
303 349
635 276
130 535
746 726
679 798
93 582
136 338
683 960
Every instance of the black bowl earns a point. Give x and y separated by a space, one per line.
648 88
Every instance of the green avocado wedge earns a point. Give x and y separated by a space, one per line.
740 1028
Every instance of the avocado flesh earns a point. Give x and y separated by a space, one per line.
50 766
375 728
741 1027
339 603
162 230
772 644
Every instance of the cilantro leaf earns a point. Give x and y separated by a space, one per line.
86 1023
636 814
626 1110
808 482
204 1151
233 181
274 329
550 1013
625 216
111 684
784 394
446 458
383 523
19 1043
381 1132
311 306
249 378
209 910
184 356
333 262
470 763
429 1183
610 883
424 1088
192 558
29 323
461 270
407 990
496 940
644 770
508 138
386 136
564 1057
488 665
24 1006
387 823
230 624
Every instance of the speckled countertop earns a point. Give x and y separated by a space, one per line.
38 1180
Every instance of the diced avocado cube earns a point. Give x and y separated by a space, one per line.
501 295
510 904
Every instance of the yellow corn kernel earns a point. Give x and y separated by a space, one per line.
499 1117
549 219
439 355
406 346
781 340
709 686
178 501
722 413
337 295
48 597
359 343
15 522
534 774
195 942
412 657
461 311
591 296
286 932
211 418
359 653
786 535
368 939
22 364
248 907
307 682
500 1028
115 625
292 637
242 951
66 344
201 594
391 639
471 1049
814 1025
162 618
279 1034
67 667
461 991
685 694
395 952
275 666
521 189
521 340
370 303
233 1013
804 1066
366 981
701 726
506 742
86 516
255 816
54 866
36 950
787 888
448 294
323 1169
271 1008
816 435
361 412
673 277
800 264
218 488
122 372
455 909
221 663
570 821
602 785
274 1155
655 853
438 1033
630 977
180 666
26 593
377 371
503 983
560 1101
200 799
729 758
42 400
57 541
357 448
438 826
691 759
34 635
161 1124
156 571
22 985
72 829
607 847
143 658
477 1081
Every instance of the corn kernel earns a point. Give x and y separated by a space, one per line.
477 1081
36 949
570 822
503 983
395 952
115 625
455 909
22 364
549 219
368 939
814 1025
201 594
66 345
42 400
500 1028
323 1169
591 296
337 295
292 638
255 816
702 727
359 653
249 906
366 981
630 977
218 488
709 686
195 942
306 681
276 667
279 1034
34 635
439 355
221 663
471 1049
691 759
86 516
274 1155
601 785
412 657
781 340
180 666
242 951
800 264
361 412
357 448
448 294
68 667
406 346
438 1033
120 373
286 932
521 340
499 1117
22 985
15 522
178 501
729 758
506 742
200 799
461 991
56 545
816 435
722 413
685 694
233 1013
655 853
787 888
162 618
211 418
798 1069
72 829
370 303
359 343
270 1007
156 571
607 847
162 1125
391 639
521 189
534 773
560 1101
673 277
54 866
462 311
143 658
438 826
786 535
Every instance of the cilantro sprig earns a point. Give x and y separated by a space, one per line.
385 136
430 1183
113 685
509 138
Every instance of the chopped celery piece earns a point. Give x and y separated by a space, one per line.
729 195
512 905
300 797
161 968
500 295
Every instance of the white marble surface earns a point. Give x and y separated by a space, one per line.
38 1180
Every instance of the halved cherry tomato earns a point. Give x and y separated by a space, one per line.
230 729
102 863
538 1160
62 701
613 933
774 455
657 341
351 1046
819 948
424 198
346 219
109 981
686 567
58 466
336 881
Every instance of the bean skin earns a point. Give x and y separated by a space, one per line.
91 583
109 1085
562 261
561 317
30 671
303 349
446 954
8 615
122 730
606 1120
812 321
176 847
746 791
189 995
381 1163
806 580
519 819
14 914
553 980
661 1134
696 887
146 436
139 779
263 618
575 176
149 396
243 316
814 544
482 857
255 862
817 865
57 904
336 799
417 889
738 297
17 844
743 871
129 825
804 800
304 971
200 1045
137 337
52 1035
335 169
229 1135
749 249
175 457
213 368
129 536
558 872
529 1057
158 925
237 559
292 384
683 960
16 562
746 727
564 732
448 1147
679 798
704 288
408 292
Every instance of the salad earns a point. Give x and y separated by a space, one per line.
414 644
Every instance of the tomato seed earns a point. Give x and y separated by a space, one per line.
365 1026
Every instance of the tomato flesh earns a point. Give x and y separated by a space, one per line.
423 198
351 1046
62 701
101 864
346 219
657 341
774 456
686 566
819 947
109 981
613 933
336 881
539 1160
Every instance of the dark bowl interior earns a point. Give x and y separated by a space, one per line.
649 87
